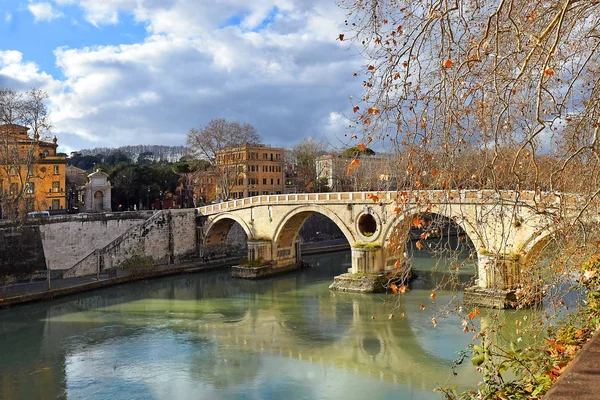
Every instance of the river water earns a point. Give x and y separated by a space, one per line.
207 336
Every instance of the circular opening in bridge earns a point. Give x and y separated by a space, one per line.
367 225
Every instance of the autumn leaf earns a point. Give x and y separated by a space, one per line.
373 110
432 296
341 37
369 139
549 72
367 121
422 306
402 289
418 222
434 322
448 64
474 314
394 288
370 68
391 316
356 108
354 163
373 197
434 172
558 348
405 64
349 171
397 264
361 147
419 244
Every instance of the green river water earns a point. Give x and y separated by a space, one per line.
207 336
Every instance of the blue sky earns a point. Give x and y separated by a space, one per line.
124 72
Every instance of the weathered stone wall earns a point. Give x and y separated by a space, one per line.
66 243
21 253
168 237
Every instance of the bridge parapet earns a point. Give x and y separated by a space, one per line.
547 200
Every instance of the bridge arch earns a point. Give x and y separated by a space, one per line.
406 218
217 229
288 229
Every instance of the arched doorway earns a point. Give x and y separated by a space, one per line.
99 201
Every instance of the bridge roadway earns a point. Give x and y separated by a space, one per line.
507 228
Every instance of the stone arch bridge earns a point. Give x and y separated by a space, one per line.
506 228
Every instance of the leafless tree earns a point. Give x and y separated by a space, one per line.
501 94
206 141
219 134
17 153
303 158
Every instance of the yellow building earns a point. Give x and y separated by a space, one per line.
32 174
249 170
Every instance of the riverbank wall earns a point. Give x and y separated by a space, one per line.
68 286
30 247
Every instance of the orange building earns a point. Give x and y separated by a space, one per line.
250 170
32 174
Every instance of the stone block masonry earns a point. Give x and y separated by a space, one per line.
21 253
168 237
28 246
66 243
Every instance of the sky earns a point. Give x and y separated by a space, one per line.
126 72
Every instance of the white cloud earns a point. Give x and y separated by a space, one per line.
289 79
43 12
8 17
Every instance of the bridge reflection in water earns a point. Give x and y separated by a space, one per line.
209 336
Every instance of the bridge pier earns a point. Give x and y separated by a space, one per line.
263 261
500 275
369 272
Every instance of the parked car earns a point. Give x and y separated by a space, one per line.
38 214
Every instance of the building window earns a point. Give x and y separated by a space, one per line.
56 170
29 205
265 192
278 181
55 187
29 188
30 170
271 181
264 181
14 188
56 204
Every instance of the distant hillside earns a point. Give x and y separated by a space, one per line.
150 153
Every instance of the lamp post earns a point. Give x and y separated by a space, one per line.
148 199
126 186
